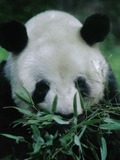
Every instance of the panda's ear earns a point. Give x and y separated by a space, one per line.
95 29
13 36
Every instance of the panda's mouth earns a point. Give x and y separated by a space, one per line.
64 127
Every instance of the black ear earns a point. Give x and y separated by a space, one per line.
13 36
95 28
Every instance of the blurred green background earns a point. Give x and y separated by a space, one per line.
22 10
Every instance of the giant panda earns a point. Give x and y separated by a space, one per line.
54 54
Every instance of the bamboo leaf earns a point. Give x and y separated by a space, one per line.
77 140
103 149
24 111
112 121
75 106
36 131
91 122
59 120
54 105
92 147
82 102
110 126
24 99
16 138
37 147
82 131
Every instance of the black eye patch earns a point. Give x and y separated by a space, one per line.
40 92
82 86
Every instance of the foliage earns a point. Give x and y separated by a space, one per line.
3 54
110 49
46 145
24 9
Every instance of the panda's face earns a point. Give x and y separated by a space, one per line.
58 62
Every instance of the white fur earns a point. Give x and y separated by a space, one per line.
56 52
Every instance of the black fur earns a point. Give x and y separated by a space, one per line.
13 36
82 86
7 116
112 91
95 28
40 92
5 94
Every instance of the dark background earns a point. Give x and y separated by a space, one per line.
24 9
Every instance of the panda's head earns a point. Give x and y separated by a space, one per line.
55 55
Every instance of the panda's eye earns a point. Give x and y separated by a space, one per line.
82 86
40 91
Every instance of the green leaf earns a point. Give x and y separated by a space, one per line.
48 117
82 102
92 147
16 138
26 93
82 132
77 140
54 105
112 121
32 121
59 120
110 126
24 111
103 149
36 131
49 139
75 105
65 139
91 122
19 121
36 148
24 99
